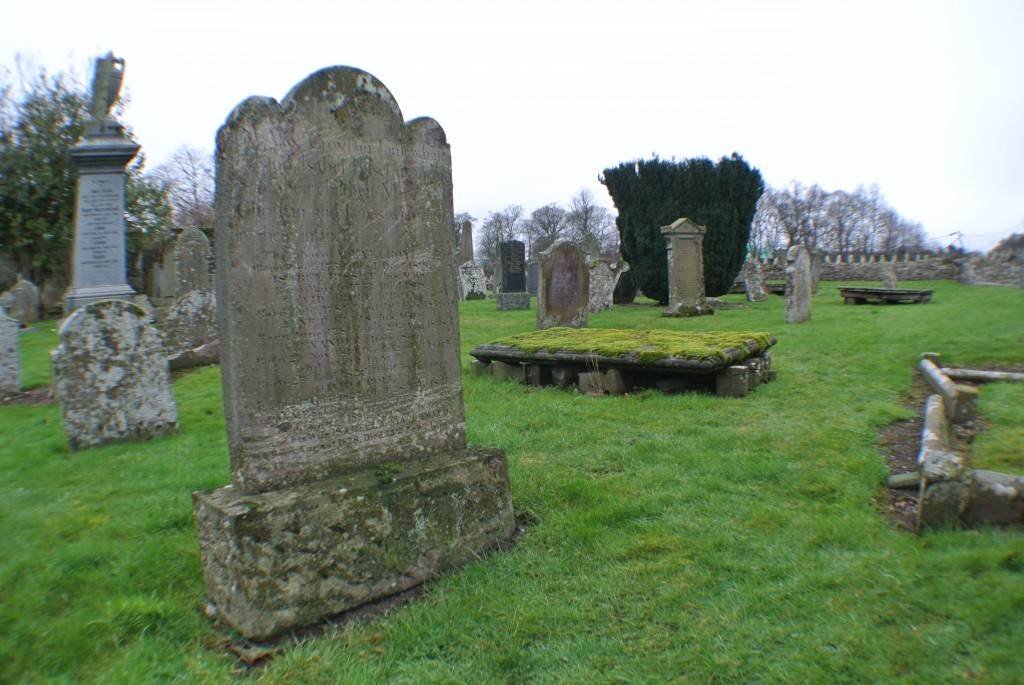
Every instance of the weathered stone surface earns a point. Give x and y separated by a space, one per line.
466 242
625 289
337 295
472 284
510 274
753 281
512 301
10 357
111 376
684 241
591 383
191 322
479 369
185 266
204 355
508 372
732 381
961 401
994 498
798 285
889 278
286 558
538 374
941 504
563 293
617 382
532 277
602 285
22 301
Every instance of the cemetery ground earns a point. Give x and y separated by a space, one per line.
667 538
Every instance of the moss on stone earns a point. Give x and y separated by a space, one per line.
645 346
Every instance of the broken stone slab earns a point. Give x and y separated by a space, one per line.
993 498
204 355
282 559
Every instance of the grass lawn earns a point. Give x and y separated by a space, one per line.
672 538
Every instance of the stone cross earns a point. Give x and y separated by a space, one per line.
336 287
798 285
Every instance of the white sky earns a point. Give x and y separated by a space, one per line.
923 97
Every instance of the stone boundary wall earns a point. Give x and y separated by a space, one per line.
862 266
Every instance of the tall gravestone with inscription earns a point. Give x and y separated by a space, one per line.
685 246
336 287
10 359
563 291
98 268
510 279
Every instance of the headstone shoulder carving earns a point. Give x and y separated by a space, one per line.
111 376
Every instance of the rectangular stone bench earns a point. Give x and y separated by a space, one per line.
885 295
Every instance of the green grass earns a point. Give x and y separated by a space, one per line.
684 538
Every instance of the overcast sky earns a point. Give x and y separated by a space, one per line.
924 98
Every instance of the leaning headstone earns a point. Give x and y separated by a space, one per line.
684 242
336 286
602 286
625 289
191 322
10 359
798 285
563 292
889 277
472 284
185 266
753 281
22 301
510 278
110 375
98 256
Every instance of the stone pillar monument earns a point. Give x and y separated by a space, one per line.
798 284
685 244
98 270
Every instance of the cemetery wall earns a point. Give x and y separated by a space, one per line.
863 266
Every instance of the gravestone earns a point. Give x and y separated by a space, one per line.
98 255
472 284
191 322
798 285
22 301
602 286
817 262
684 242
889 278
510 277
625 289
336 286
466 242
185 266
110 375
10 359
563 291
753 281
532 277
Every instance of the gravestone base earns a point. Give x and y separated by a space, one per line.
681 311
280 560
509 301
78 297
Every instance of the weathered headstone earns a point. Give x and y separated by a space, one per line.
98 256
798 284
753 281
472 284
466 242
817 264
10 359
22 301
684 242
532 277
336 286
563 293
889 278
185 266
510 277
110 375
602 285
625 289
191 322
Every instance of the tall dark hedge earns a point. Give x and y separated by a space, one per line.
653 193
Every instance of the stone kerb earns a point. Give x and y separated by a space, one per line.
10 358
961 401
337 292
563 289
111 376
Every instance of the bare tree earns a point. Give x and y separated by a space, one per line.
587 218
500 227
188 177
545 225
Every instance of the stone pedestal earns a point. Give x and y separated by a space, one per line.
98 258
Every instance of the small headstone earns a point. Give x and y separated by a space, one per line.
684 242
602 285
532 277
185 266
337 292
466 242
111 377
563 291
753 281
10 359
889 276
191 322
472 284
22 301
98 256
798 285
510 278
